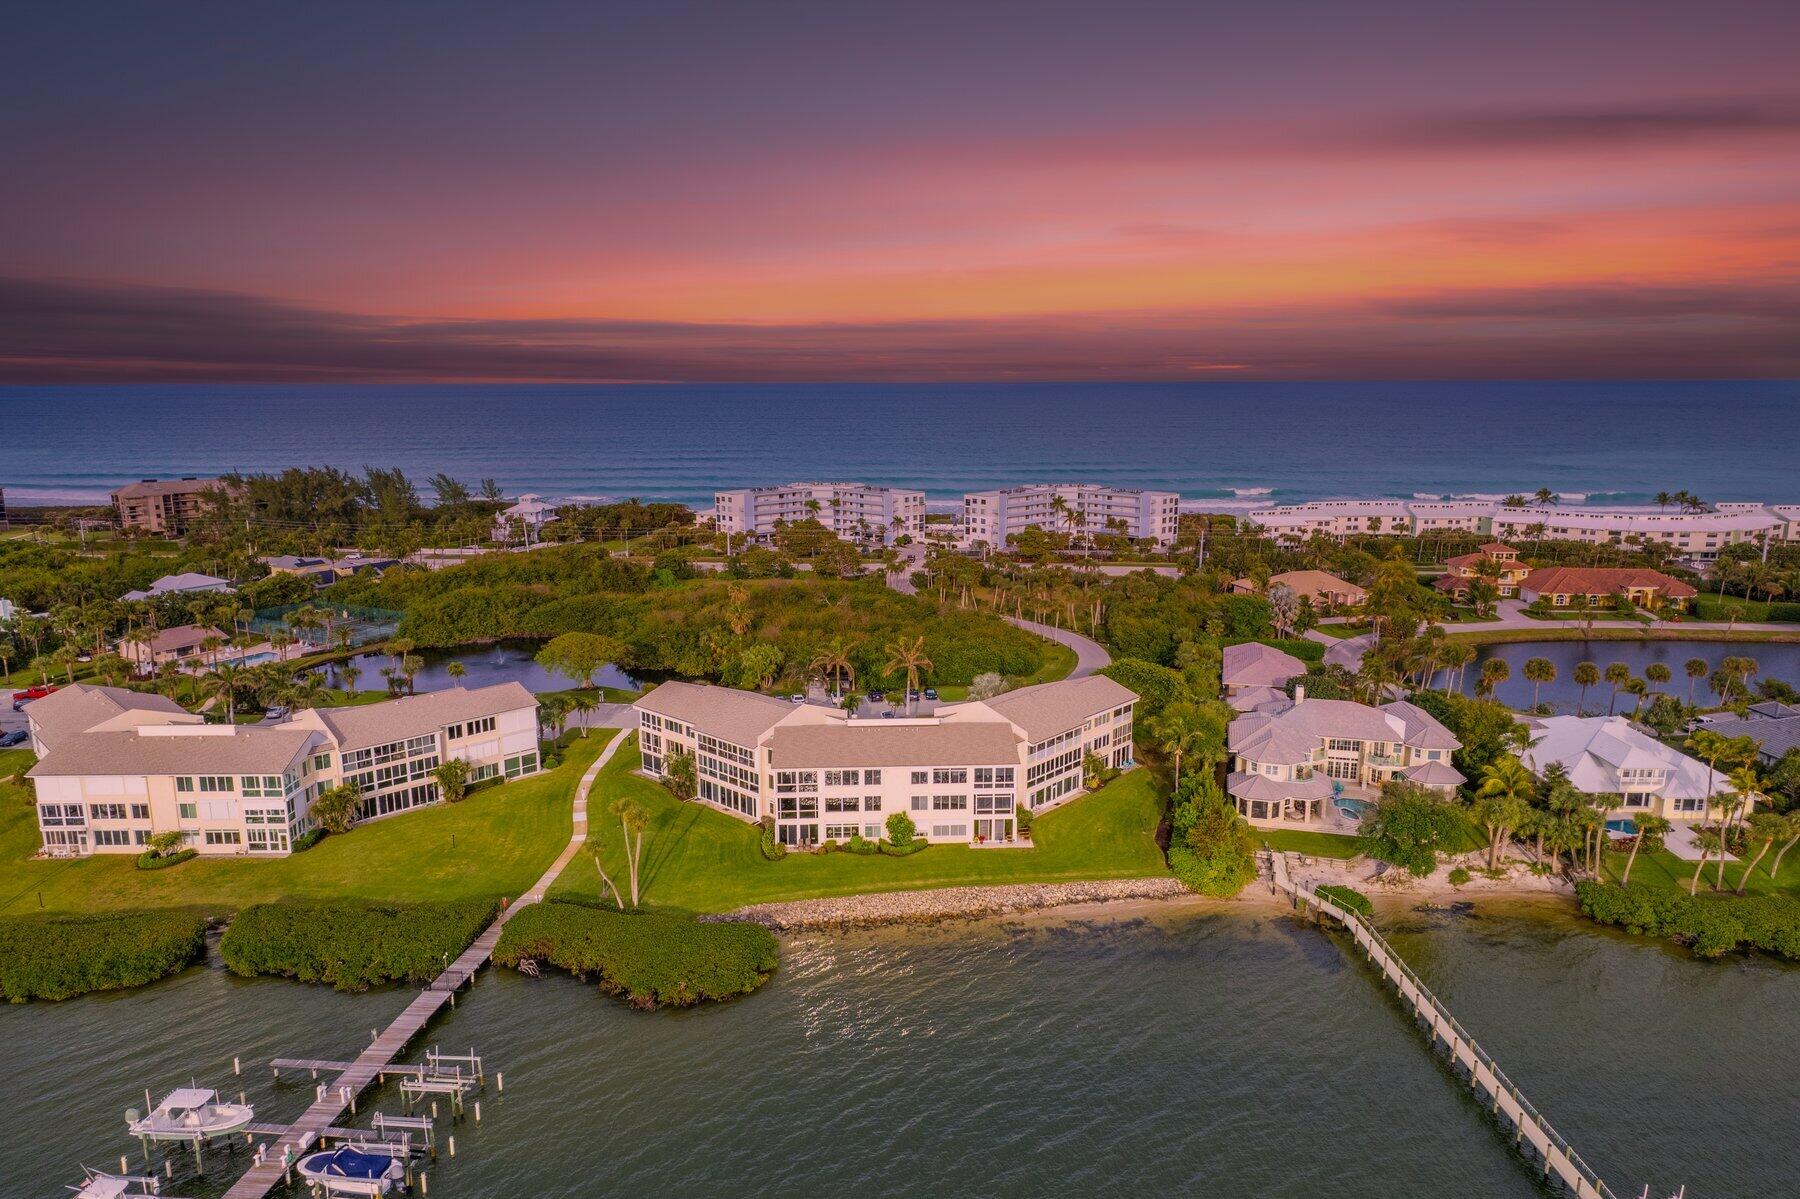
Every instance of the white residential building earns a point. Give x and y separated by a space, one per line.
526 519
186 583
852 511
960 772
1289 758
1605 755
117 767
990 517
1692 534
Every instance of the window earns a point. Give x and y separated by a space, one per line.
949 803
921 803
840 832
521 765
835 804
188 811
950 830
140 811
944 775
224 836
321 762
112 836
920 778
261 786
843 778
473 728
107 811
217 782
184 784
871 778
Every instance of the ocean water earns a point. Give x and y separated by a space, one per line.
1224 445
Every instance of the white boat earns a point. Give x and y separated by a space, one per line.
189 1114
354 1169
100 1185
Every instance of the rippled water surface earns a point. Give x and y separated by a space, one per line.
1200 1054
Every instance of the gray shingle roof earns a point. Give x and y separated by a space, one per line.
219 749
1775 735
1051 708
79 708
1254 664
416 715
739 717
894 743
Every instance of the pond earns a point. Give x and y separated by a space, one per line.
1774 661
502 662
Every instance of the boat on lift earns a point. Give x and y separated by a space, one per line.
355 1168
189 1115
97 1184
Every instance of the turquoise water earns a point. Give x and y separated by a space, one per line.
1209 1053
1234 444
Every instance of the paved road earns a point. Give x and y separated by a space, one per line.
1511 615
1090 655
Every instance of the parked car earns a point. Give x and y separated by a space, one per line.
887 714
931 693
876 697
796 698
21 698
16 737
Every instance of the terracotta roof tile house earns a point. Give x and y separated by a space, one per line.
1324 590
1593 586
1494 561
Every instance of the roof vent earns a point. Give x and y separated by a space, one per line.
1299 693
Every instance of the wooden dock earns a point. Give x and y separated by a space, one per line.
377 1061
1505 1099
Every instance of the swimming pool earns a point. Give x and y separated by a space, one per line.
1351 807
1624 826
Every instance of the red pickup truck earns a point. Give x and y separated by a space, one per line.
21 698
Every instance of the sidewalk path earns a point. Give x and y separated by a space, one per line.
1090 655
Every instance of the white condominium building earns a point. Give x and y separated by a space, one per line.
853 511
117 767
1081 509
1693 534
960 772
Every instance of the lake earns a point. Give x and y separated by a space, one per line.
1774 660
1226 1052
503 662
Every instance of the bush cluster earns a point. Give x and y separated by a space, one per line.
1348 898
772 850
651 959
55 957
151 860
308 839
353 945
1710 925
902 851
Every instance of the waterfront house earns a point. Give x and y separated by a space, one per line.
524 520
851 511
184 645
960 771
116 768
1319 588
1253 673
1294 763
1596 586
1775 728
1607 755
1496 562
186 583
1082 510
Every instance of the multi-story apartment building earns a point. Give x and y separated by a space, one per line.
1699 535
160 507
1605 755
116 767
1079 509
960 772
1289 760
852 511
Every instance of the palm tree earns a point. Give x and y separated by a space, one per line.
1586 674
1494 671
1790 824
1658 674
307 691
1618 674
1183 729
1455 656
1539 671
1766 828
584 702
1648 825
1695 669
1664 499
908 657
410 666
1503 800
634 818
456 669
223 684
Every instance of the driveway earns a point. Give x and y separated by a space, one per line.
1090 655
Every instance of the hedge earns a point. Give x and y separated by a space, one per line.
651 959
350 944
1710 925
55 957
1348 898
150 860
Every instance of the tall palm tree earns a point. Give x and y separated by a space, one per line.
903 655
1657 674
1494 671
1539 671
1695 669
1765 828
1618 674
1648 825
1503 800
1183 730
584 702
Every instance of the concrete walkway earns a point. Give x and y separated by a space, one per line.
1090 655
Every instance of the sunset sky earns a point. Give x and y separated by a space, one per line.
928 191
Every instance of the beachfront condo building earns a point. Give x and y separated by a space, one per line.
1606 755
852 511
960 772
1079 509
160 507
1697 535
1290 760
116 767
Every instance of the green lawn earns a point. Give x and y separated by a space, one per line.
1341 631
1295 840
498 840
1665 870
698 859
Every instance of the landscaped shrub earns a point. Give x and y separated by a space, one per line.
353 945
1711 925
54 957
1348 898
901 830
308 839
1459 876
652 959
903 851
151 860
772 850
861 844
